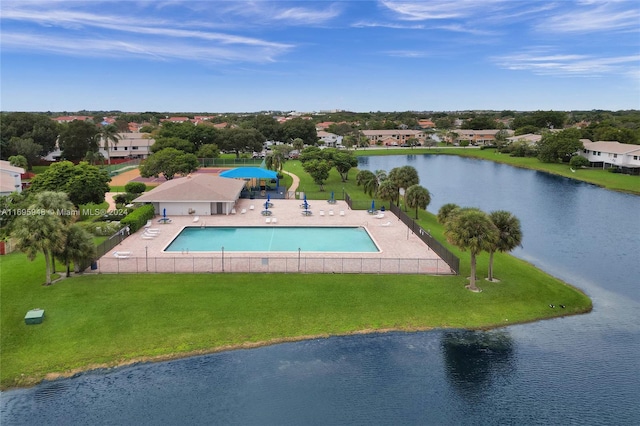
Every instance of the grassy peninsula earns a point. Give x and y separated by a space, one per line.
94 321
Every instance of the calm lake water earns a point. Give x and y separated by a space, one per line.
582 370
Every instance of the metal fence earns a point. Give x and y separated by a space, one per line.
294 264
229 162
108 245
452 260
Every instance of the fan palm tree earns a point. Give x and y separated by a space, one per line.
404 177
387 190
417 197
471 229
275 161
79 249
109 134
510 235
368 180
445 212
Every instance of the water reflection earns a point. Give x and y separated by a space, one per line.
476 360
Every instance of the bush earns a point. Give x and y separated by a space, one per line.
578 161
135 187
103 229
139 217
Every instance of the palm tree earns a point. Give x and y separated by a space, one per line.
275 160
368 180
404 177
471 229
79 249
445 212
298 144
108 134
387 190
510 235
39 233
417 197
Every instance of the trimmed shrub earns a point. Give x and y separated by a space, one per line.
578 161
135 187
104 229
139 217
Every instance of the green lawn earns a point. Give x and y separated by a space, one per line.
96 320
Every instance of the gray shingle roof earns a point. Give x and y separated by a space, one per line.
197 187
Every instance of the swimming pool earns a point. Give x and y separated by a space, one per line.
273 239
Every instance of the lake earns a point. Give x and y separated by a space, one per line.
576 370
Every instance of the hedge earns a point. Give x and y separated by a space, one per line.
139 217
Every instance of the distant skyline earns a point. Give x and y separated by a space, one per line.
234 56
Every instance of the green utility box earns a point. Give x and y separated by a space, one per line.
34 316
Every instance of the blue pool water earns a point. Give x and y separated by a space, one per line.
273 239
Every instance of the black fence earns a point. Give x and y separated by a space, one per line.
452 260
108 245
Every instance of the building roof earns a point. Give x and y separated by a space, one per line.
195 188
529 137
611 147
5 166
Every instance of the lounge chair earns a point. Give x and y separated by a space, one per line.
321 212
195 219
274 220
330 212
341 212
233 211
268 220
152 231
379 215
243 211
122 254
386 224
251 207
149 223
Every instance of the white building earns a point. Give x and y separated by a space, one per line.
10 179
613 154
329 140
130 146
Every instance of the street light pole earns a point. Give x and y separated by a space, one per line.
146 257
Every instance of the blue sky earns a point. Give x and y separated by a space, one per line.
233 56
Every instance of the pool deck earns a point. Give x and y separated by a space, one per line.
401 250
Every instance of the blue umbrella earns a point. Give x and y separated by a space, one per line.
332 196
268 197
164 212
373 205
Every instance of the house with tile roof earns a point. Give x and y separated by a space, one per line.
200 194
395 137
609 154
330 140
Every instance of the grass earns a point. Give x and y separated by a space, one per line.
596 176
106 320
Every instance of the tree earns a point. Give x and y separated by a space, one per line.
78 248
242 140
44 230
169 162
18 161
83 183
268 126
404 177
30 150
319 171
109 134
39 128
369 182
417 197
445 213
471 229
209 150
275 160
388 190
509 235
134 187
94 157
300 128
578 161
172 142
343 162
559 146
77 138
298 144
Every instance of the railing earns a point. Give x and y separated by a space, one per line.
229 162
452 260
107 245
294 264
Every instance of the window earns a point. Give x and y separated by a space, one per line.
134 147
615 155
635 157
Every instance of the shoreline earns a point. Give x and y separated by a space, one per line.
29 382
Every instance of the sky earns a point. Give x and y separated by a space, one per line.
306 56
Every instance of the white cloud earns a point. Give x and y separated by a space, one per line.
433 10
620 16
569 64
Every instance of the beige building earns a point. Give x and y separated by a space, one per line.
396 137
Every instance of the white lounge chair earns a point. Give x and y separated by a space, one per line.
330 212
251 207
243 211
122 254
152 231
274 220
386 224
268 220
379 215
321 212
195 219
341 212
149 223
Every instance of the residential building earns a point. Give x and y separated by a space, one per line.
478 137
10 178
329 140
394 137
608 154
